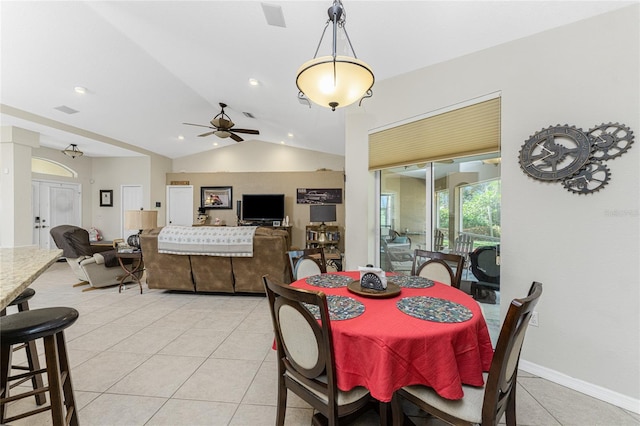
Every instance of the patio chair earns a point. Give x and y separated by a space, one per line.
487 404
485 267
396 258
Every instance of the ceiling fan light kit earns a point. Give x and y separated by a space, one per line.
222 127
72 151
335 81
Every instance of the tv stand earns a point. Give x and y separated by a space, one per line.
269 224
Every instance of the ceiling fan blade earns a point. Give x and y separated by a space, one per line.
199 125
235 137
206 134
249 131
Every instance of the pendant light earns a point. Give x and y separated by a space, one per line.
335 81
73 151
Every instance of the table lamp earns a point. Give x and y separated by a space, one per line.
322 213
141 220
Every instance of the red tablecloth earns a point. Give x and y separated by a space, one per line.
385 349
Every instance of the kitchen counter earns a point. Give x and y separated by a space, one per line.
19 267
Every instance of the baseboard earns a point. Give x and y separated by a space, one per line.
598 392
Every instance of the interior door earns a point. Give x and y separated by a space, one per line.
131 200
180 205
53 204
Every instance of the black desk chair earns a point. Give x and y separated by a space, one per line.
486 268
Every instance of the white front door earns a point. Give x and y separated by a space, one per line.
180 205
53 204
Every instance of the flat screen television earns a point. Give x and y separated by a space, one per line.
262 207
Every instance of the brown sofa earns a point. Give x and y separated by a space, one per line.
217 273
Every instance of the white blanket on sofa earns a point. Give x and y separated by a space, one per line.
235 241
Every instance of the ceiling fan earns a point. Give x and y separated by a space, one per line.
223 127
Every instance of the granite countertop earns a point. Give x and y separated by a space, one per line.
19 267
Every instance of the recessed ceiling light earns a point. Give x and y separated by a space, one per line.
180 137
80 89
254 82
281 142
215 144
290 134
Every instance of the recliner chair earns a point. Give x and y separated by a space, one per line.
99 269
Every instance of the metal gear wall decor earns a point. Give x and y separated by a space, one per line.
573 157
611 140
593 177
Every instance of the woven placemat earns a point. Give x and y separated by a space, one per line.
434 309
328 280
340 308
410 281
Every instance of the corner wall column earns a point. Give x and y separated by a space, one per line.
16 223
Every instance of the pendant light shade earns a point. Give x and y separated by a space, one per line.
335 81
334 84
73 151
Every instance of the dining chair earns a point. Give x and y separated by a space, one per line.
307 262
306 363
487 404
438 266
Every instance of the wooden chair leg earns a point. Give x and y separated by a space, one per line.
67 387
34 365
5 366
55 385
282 402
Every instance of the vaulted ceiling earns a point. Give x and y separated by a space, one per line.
149 66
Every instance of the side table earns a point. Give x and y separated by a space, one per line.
133 269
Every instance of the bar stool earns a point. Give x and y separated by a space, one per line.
33 364
26 326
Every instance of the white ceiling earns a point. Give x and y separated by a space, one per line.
149 66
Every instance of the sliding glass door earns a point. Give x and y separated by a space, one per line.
450 206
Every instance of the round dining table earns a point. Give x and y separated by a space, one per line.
429 334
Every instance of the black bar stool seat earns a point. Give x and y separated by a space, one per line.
27 294
33 364
27 326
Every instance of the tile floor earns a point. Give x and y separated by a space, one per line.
182 359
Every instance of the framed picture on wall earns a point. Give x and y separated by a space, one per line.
319 196
216 197
106 198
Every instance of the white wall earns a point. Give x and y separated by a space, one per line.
583 248
111 173
257 156
83 166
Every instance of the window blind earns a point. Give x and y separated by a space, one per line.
467 131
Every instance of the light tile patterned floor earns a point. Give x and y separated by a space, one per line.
182 359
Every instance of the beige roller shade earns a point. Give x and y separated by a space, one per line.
471 130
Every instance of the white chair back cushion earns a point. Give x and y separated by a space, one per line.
437 272
306 268
298 337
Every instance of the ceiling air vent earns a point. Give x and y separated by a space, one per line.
66 109
273 14
248 114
